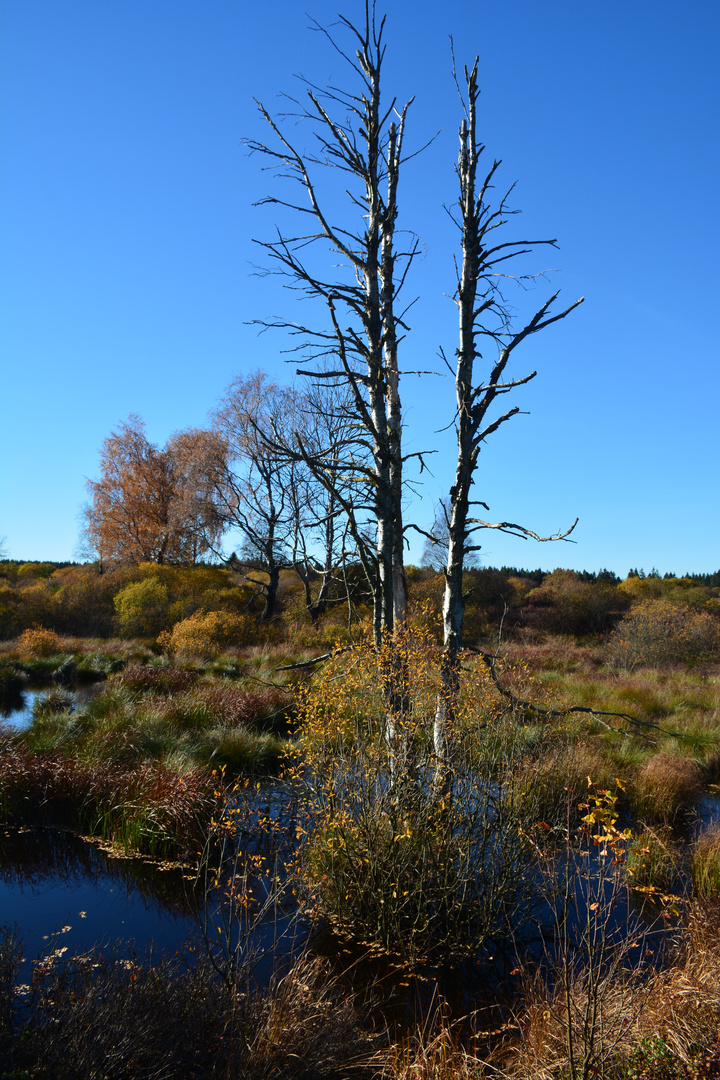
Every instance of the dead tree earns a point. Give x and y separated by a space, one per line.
360 138
483 324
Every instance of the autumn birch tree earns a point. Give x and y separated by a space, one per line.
153 504
255 487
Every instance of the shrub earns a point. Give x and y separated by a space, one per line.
142 608
564 603
412 856
204 635
38 644
657 633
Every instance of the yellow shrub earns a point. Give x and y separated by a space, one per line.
38 643
206 633
142 607
657 632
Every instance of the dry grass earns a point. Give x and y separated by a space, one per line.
680 1006
435 1051
556 653
309 1025
130 1018
665 786
705 862
551 787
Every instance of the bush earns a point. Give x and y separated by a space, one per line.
566 604
415 857
204 635
142 608
38 644
657 633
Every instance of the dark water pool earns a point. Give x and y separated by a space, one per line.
707 809
55 885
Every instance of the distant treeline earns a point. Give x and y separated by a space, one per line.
87 600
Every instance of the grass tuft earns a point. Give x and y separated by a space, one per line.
705 862
665 786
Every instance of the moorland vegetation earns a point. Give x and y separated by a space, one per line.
588 723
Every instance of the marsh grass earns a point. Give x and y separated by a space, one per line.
665 786
544 788
676 697
705 862
668 754
155 678
117 1015
390 852
148 808
52 702
660 1024
174 717
654 859
437 1049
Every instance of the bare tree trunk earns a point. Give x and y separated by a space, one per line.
268 612
367 147
482 313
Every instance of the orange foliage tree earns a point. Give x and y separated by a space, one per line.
152 504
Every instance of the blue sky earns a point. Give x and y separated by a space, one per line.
126 271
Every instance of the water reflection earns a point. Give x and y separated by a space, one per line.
17 705
707 809
51 880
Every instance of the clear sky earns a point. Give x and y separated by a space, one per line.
126 270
